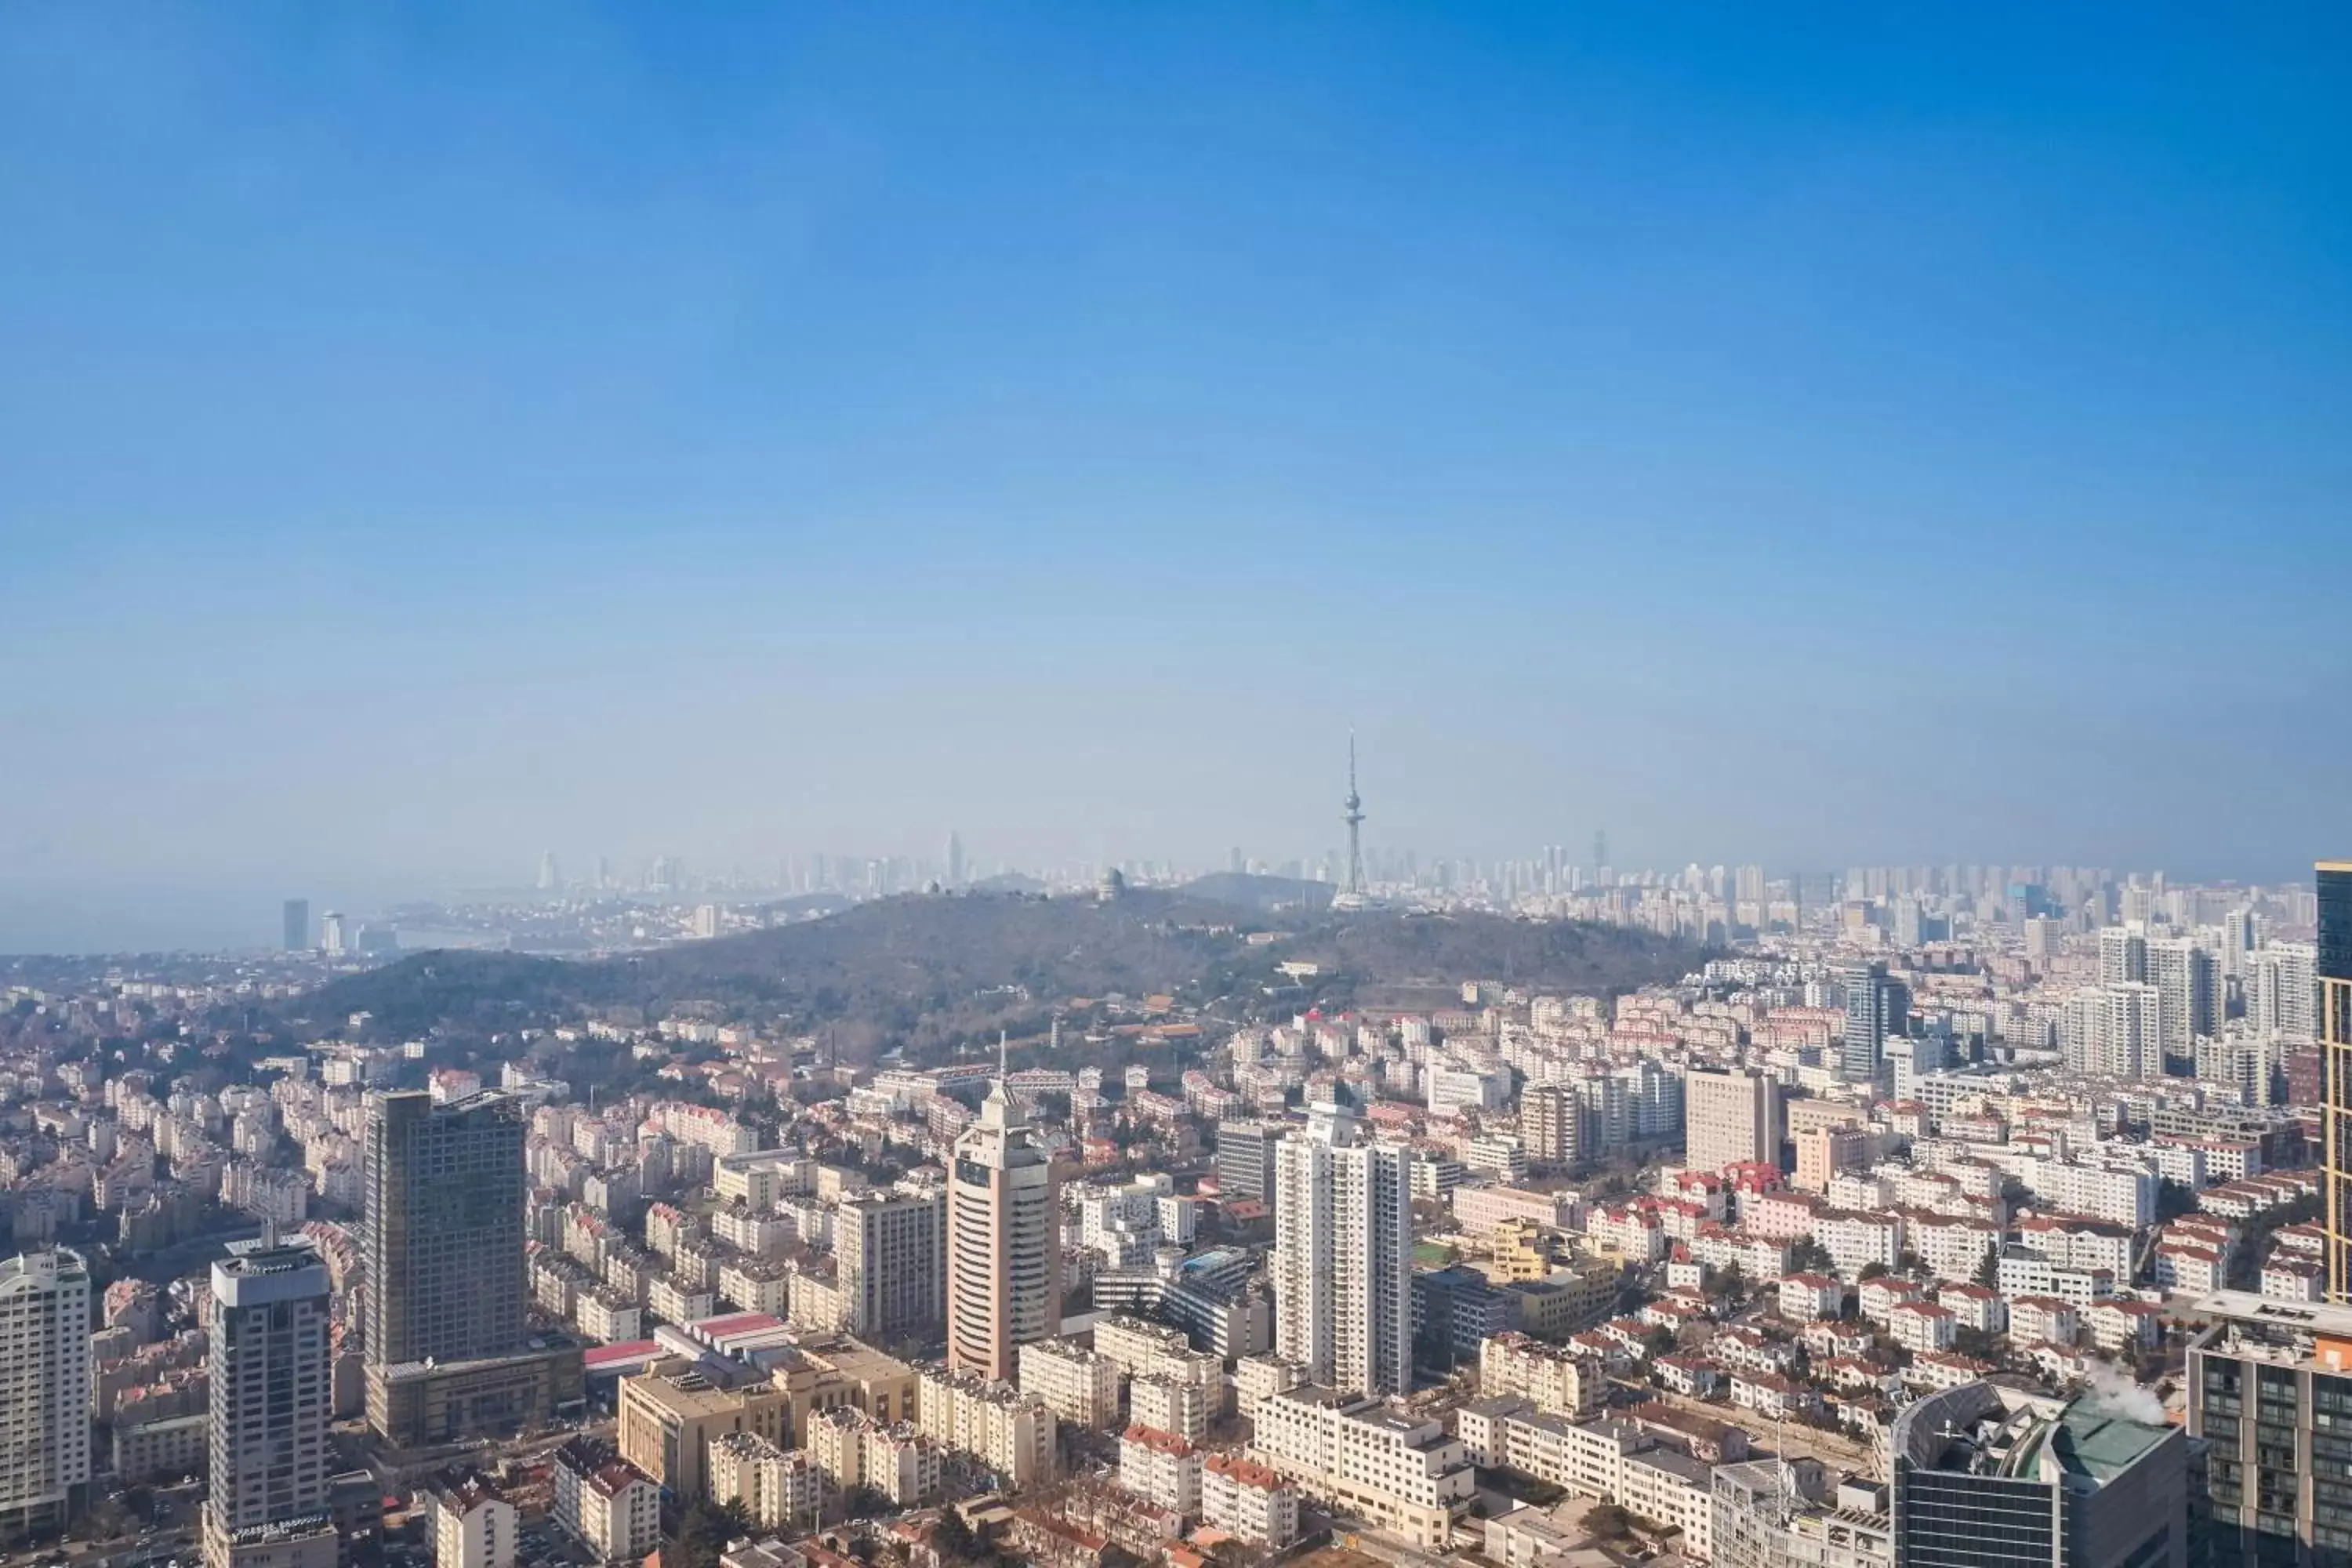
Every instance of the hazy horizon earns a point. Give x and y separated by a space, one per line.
430 436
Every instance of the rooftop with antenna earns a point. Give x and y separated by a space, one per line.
1352 894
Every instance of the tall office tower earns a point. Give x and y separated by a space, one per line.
2334 958
1343 1258
892 1249
955 859
1005 1241
334 937
2186 979
1246 1151
450 1355
548 879
1730 1118
44 1389
1876 1007
297 928
1908 918
2283 991
271 1400
1991 1478
2122 953
1552 1124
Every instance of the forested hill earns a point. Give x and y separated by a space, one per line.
926 967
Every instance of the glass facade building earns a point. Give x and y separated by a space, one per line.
1991 1478
2335 971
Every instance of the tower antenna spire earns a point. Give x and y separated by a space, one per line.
1352 897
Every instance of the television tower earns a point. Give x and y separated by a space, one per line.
1353 893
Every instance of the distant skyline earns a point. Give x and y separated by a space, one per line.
429 436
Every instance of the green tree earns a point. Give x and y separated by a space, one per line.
1988 1272
704 1529
954 1539
1809 1256
1609 1521
1874 1269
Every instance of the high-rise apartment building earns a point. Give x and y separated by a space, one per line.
1343 1256
2186 979
266 1505
1551 1125
1004 1242
1730 1118
892 1248
1245 1160
44 1389
2122 953
2042 937
2333 963
1876 1007
297 913
2283 991
2270 1397
2112 1029
449 1354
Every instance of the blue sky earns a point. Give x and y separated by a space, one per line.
430 434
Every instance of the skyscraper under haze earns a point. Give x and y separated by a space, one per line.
44 1389
1343 1256
1004 1242
1876 1007
448 1352
297 925
892 1250
2334 967
266 1506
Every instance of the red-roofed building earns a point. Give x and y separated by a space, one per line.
1161 1468
1249 1501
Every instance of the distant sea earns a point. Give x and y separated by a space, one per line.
112 919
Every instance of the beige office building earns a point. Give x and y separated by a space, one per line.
1730 1118
1004 1254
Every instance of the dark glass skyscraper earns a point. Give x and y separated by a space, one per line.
449 1353
1876 1007
1989 1478
2335 971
